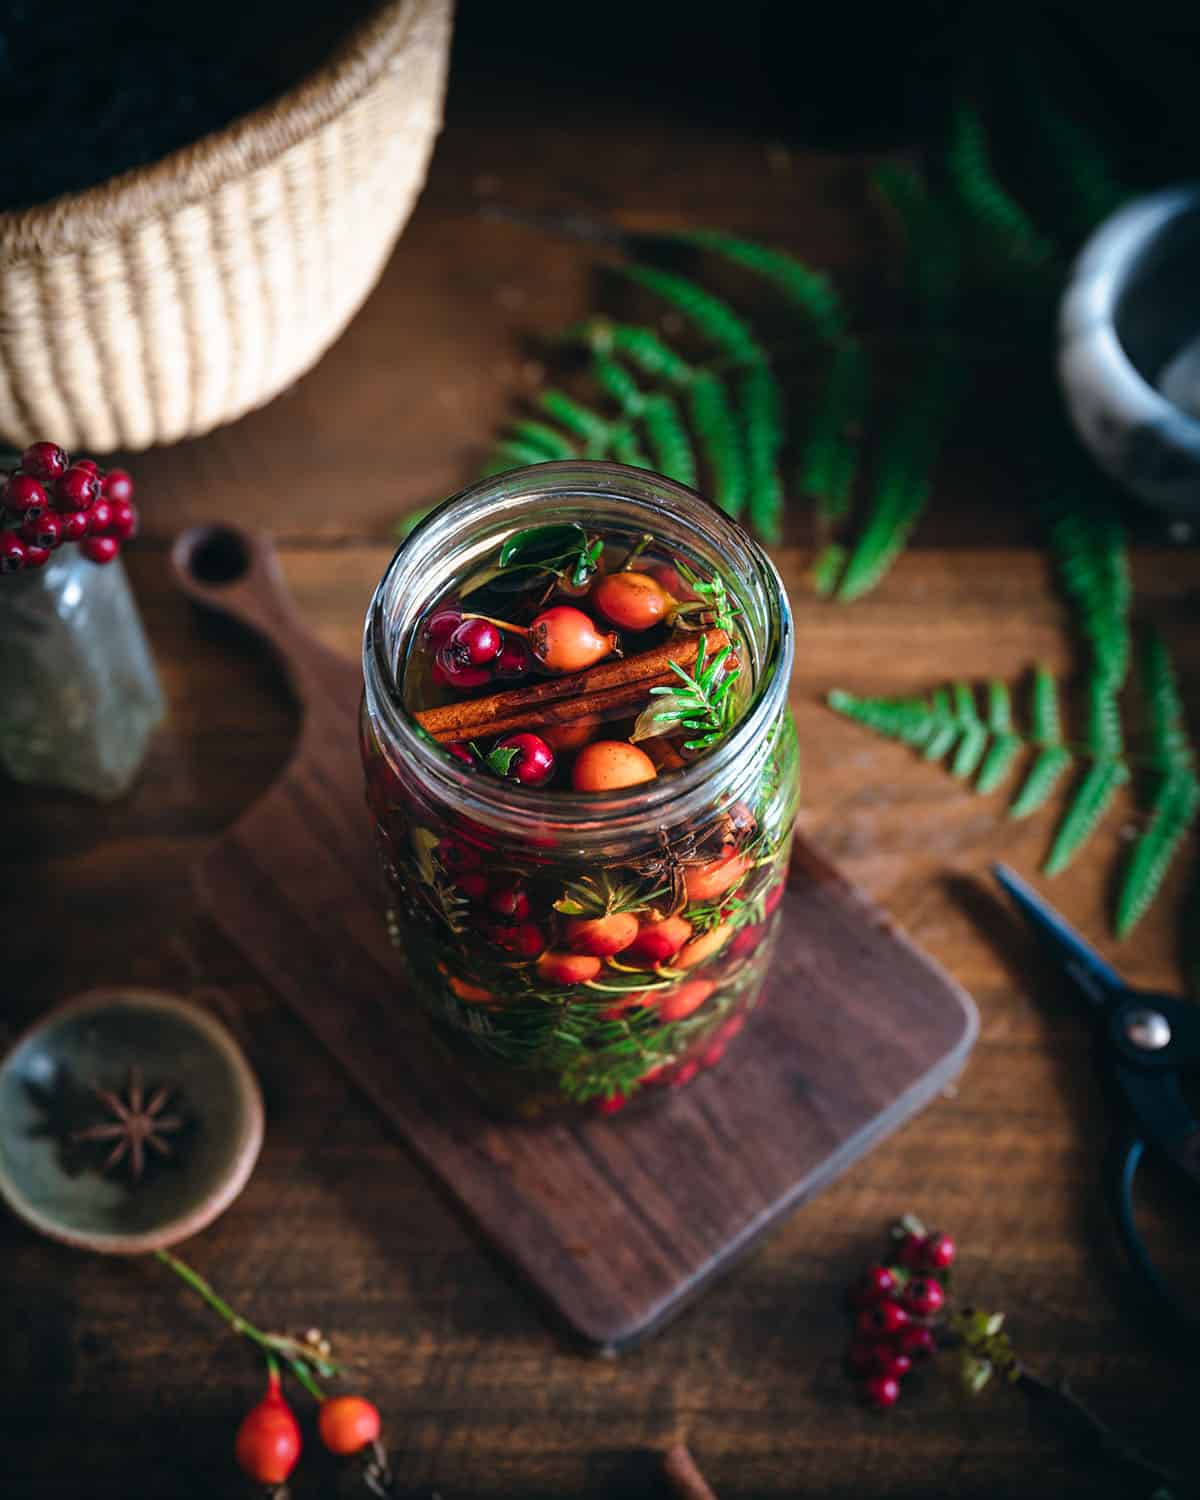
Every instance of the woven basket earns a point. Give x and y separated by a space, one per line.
180 295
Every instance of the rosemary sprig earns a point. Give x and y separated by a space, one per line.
703 706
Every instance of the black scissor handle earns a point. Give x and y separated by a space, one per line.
1127 1159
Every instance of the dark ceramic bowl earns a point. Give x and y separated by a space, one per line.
1129 348
57 1185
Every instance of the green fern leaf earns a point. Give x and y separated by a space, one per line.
578 419
761 407
1005 745
548 439
1086 189
986 203
1088 543
1172 813
627 450
830 453
1043 777
668 439
827 569
974 733
931 237
712 317
513 455
1044 716
906 719
717 429
616 381
642 347
810 291
1103 735
1170 748
1087 807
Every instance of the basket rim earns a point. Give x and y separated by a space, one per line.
76 221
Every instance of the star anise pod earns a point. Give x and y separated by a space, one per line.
137 1124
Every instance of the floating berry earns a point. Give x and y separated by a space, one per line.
473 884
124 520
523 940
454 672
632 601
602 936
684 1073
348 1424
875 1283
883 1317
441 625
917 1342
510 901
36 557
472 994
747 939
44 530
99 517
44 460
77 489
74 525
607 765
25 497
534 761
574 734
117 486
610 1104
923 1297
937 1252
474 643
712 1054
658 940
564 639
461 751
100 549
881 1391
680 1002
268 1441
702 948
707 882
513 660
12 552
568 968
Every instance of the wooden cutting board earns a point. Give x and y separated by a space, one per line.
615 1221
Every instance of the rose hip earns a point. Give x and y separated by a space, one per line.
632 601
602 936
564 639
608 765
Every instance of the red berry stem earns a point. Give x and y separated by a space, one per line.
499 624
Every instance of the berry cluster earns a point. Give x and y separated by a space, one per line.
49 500
896 1303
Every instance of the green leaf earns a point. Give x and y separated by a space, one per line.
538 435
537 545
499 759
1172 813
974 734
830 455
761 413
712 317
721 440
1170 747
987 204
574 416
1044 715
1043 777
810 291
1087 807
827 569
669 440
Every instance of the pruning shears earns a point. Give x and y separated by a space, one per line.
1151 1044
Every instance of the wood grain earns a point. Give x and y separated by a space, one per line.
116 1383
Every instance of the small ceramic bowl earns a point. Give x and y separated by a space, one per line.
56 1183
1129 348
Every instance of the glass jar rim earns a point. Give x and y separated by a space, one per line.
590 816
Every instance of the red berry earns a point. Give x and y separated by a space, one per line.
610 1104
514 660
463 752
348 1424
875 1283
74 525
916 1342
117 486
268 1441
534 760
881 1391
774 897
684 1073
43 531
910 1251
36 557
455 854
473 884
938 1252
89 464
25 496
885 1317
890 1361
474 643
124 520
511 902
12 552
923 1297
44 460
99 518
712 1054
100 549
78 489
455 672
441 625
524 940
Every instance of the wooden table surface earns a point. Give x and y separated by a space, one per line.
117 1383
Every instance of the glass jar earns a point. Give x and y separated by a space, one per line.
700 855
79 696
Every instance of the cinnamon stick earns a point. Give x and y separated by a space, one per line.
682 1474
603 689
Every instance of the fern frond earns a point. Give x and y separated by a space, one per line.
616 381
1085 187
627 450
985 201
1005 746
974 733
1087 807
827 569
761 413
948 719
668 439
931 237
1172 813
538 435
1038 785
717 429
642 347
810 291
830 452
512 455
1044 715
1088 543
1103 733
715 319
578 419
1170 748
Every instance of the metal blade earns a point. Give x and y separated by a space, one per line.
1098 980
